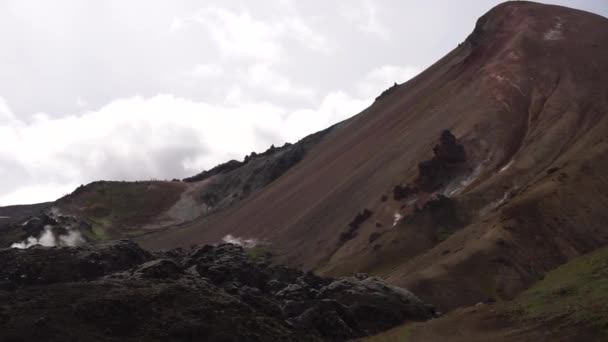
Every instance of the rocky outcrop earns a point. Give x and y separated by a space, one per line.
449 157
117 291
11 216
42 266
387 92
449 161
353 226
50 229
235 180
219 169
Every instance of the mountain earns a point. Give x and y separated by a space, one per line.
525 96
465 185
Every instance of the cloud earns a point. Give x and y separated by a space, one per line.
366 18
240 35
206 71
36 193
6 114
378 79
181 89
335 107
133 138
161 137
164 136
80 102
263 76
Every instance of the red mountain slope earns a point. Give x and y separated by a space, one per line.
526 95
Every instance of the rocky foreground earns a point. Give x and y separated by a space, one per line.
117 291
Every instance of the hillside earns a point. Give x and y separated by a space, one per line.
470 183
568 304
525 95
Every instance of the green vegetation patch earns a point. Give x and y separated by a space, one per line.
575 293
259 252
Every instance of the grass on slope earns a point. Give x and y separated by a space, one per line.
114 208
575 294
571 300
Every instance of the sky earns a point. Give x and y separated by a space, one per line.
151 89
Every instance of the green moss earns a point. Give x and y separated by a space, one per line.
576 292
100 233
97 233
259 252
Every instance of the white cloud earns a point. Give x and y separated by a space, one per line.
263 76
80 102
206 71
335 107
298 29
176 24
37 193
6 114
366 18
162 137
383 77
240 35
236 77
372 24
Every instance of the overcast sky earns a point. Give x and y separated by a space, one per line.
127 90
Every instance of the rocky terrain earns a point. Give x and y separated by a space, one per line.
235 180
479 185
13 215
116 291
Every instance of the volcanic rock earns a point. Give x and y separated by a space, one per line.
118 292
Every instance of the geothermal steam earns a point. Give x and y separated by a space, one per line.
246 243
49 239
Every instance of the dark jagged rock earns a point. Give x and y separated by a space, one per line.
60 230
364 297
388 91
374 236
448 160
160 269
221 168
118 292
401 192
46 265
353 226
35 225
11 220
449 150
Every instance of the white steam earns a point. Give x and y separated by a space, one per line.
71 239
246 243
49 239
397 218
457 186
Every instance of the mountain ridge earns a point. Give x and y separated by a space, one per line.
465 184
